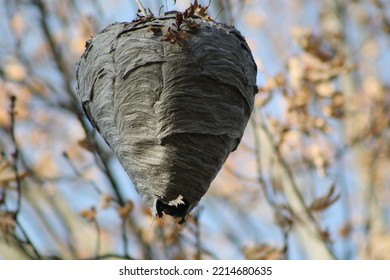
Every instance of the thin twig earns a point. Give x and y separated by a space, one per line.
22 247
198 255
141 7
17 178
80 175
15 157
216 18
285 242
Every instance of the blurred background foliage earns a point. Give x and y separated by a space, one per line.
310 179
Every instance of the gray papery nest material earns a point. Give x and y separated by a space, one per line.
172 103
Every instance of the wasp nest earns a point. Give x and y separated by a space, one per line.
171 95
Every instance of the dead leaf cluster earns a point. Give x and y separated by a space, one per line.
173 36
196 9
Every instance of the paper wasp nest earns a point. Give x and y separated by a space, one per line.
171 95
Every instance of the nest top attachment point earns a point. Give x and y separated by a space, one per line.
171 95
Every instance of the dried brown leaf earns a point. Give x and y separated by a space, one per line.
196 9
325 235
179 20
324 202
345 230
202 12
283 220
124 211
89 214
173 36
86 145
313 44
192 25
324 75
7 222
9 176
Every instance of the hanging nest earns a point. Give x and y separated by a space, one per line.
171 95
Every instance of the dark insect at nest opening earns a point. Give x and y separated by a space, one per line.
179 211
